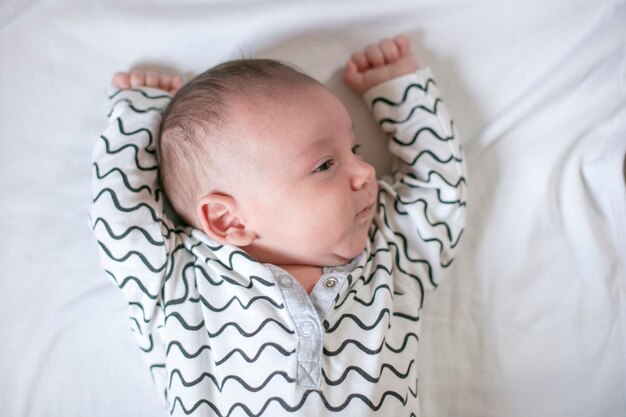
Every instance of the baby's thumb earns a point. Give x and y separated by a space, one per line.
352 76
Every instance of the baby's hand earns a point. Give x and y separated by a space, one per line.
138 78
379 63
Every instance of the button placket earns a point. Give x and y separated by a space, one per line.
326 290
285 281
308 329
330 282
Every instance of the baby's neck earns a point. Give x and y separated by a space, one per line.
306 275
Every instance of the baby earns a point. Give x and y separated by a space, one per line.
297 285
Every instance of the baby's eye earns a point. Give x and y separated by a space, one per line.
355 149
325 166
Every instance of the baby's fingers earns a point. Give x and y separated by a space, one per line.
121 80
360 61
137 78
152 79
165 82
402 42
353 76
390 51
177 83
374 55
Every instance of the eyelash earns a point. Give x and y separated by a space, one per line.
328 164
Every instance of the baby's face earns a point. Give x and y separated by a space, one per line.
309 196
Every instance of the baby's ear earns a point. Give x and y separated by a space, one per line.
218 219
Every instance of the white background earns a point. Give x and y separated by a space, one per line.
531 320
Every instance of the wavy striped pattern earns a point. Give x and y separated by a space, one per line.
214 326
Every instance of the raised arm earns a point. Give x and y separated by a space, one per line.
422 205
135 237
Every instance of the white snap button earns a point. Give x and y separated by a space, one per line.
285 281
306 328
330 282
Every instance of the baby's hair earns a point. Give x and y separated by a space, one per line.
199 112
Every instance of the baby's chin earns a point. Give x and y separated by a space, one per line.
343 257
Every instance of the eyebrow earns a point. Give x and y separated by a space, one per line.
318 143
313 146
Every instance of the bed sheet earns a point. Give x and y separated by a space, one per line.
531 320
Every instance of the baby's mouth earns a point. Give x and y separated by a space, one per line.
367 210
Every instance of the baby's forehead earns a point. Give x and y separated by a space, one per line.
285 98
290 120
276 94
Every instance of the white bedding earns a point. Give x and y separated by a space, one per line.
532 318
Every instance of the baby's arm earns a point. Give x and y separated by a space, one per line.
422 207
134 236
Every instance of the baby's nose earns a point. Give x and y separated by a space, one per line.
364 173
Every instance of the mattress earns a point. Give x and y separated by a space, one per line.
531 318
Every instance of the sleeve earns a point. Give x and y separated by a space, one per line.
135 237
422 204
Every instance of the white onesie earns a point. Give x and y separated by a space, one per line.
225 335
